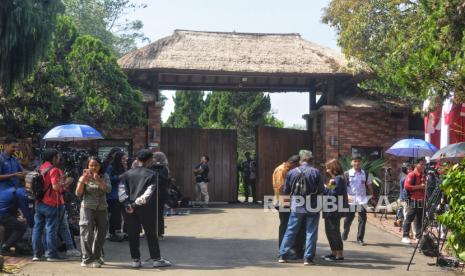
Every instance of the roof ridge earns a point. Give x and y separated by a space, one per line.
239 33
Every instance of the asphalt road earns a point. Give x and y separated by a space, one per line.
238 240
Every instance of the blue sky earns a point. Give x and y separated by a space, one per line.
162 17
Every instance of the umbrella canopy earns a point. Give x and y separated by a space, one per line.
451 152
72 132
415 148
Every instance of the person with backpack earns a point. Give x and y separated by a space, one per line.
49 198
415 185
403 194
305 185
359 189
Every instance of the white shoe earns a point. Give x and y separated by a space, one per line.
73 253
96 265
161 263
83 264
405 240
136 263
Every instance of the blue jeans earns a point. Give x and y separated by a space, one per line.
63 230
45 217
311 230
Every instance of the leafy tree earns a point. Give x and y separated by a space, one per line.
25 30
239 110
414 47
103 19
78 81
188 105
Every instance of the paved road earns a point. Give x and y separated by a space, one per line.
243 241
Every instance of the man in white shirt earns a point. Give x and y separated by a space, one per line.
358 183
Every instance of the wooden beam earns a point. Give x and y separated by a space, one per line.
312 96
331 91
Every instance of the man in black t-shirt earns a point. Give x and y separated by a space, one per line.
201 180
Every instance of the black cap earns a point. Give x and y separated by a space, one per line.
144 155
356 157
294 159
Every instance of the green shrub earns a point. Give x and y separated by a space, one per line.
453 186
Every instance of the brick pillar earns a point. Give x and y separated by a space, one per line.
331 132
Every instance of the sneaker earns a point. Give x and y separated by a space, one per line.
55 259
161 263
136 263
6 251
281 260
405 240
38 259
161 237
308 263
334 258
328 256
115 238
362 243
96 265
73 253
101 261
83 264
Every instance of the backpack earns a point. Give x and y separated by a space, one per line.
428 246
37 182
302 186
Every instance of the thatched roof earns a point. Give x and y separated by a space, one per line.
239 52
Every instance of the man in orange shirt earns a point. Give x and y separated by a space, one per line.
279 176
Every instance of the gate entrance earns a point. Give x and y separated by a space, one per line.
184 147
274 146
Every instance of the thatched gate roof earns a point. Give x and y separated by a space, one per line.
238 52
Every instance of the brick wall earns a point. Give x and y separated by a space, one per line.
138 135
344 127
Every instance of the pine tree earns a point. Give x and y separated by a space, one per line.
188 105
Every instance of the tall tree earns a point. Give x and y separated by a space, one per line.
78 81
25 30
416 48
239 110
188 105
104 19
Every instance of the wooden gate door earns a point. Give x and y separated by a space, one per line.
184 147
274 146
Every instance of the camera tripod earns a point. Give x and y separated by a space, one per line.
385 195
429 210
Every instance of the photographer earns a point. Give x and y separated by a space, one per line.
415 186
137 193
404 196
93 185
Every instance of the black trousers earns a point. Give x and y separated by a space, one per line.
333 233
115 210
161 220
414 210
362 222
250 186
142 216
299 246
14 227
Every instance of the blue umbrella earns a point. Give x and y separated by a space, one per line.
72 132
415 148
